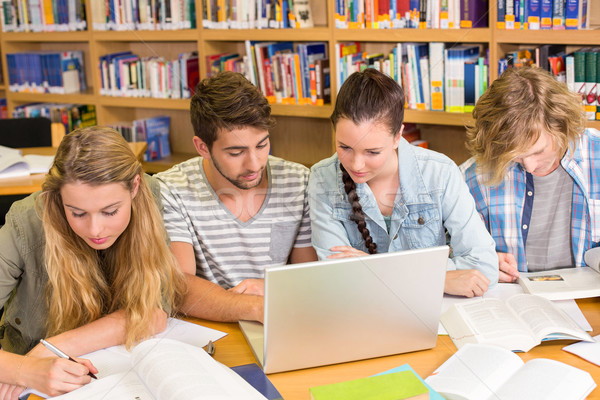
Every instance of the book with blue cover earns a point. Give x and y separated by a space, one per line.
255 376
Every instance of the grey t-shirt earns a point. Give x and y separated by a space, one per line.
548 243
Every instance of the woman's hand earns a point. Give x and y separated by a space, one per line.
53 376
466 282
10 392
346 251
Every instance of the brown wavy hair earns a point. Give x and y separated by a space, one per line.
511 115
137 274
368 96
228 101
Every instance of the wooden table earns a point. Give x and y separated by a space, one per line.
232 350
33 183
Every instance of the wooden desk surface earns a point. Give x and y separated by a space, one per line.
33 183
233 350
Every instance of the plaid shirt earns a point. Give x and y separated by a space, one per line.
506 209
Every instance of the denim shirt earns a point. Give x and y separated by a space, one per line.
432 198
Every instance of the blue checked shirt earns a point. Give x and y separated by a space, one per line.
506 209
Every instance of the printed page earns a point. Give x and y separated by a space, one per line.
543 379
123 386
487 321
545 319
561 284
475 372
173 370
504 291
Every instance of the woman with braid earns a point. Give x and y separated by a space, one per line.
379 194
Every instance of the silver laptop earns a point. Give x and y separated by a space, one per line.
334 311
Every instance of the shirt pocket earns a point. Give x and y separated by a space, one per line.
423 226
594 206
342 212
283 237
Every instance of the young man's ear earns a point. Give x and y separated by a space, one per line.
201 147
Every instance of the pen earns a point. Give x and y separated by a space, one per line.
61 354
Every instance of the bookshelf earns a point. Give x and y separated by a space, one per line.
303 133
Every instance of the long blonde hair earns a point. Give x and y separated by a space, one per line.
511 115
137 274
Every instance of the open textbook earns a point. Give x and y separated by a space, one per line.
13 164
165 369
484 372
519 323
561 284
117 360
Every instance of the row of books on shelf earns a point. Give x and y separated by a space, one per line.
256 14
143 15
43 15
285 72
154 131
434 77
3 108
543 14
386 14
46 72
125 74
72 116
580 70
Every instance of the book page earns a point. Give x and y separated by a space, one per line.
475 372
487 321
123 386
173 370
12 165
38 164
544 318
543 379
561 284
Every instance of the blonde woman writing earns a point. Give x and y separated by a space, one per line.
83 263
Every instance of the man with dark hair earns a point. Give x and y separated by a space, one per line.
235 209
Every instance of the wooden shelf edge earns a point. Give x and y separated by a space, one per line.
308 34
153 167
593 124
546 36
475 35
76 36
79 98
144 102
437 117
308 111
182 35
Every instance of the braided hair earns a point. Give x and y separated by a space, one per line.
366 96
357 212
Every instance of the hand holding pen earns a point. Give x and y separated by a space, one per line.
61 354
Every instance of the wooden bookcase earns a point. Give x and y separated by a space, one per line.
303 133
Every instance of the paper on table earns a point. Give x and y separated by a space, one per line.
586 350
503 291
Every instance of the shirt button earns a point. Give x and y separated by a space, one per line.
18 321
524 226
530 193
421 221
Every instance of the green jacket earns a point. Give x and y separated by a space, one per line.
23 275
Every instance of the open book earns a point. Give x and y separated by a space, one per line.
484 372
519 323
13 164
165 369
562 284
